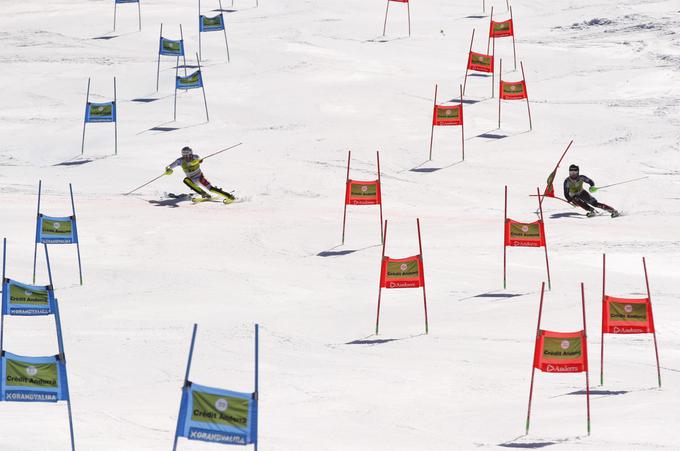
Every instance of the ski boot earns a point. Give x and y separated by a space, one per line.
615 214
591 213
228 197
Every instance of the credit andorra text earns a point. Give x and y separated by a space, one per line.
23 380
562 354
628 316
402 274
28 300
210 436
220 416
29 396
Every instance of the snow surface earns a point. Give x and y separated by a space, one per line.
308 81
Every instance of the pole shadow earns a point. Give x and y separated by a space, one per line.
377 341
494 296
333 253
419 168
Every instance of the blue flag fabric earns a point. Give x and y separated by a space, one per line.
191 81
21 299
206 23
171 48
56 230
100 112
33 379
215 415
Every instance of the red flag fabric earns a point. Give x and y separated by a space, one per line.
561 352
501 29
523 234
480 62
402 272
549 189
627 316
513 90
363 192
447 115
398 1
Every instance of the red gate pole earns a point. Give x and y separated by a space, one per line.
386 10
488 42
514 52
377 156
420 246
585 333
505 226
547 262
604 262
649 296
526 91
344 215
500 84
462 124
434 112
377 318
467 67
533 367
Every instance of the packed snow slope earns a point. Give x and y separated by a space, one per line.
309 80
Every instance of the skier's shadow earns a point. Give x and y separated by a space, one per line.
569 214
171 203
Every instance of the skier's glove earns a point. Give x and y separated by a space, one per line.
168 170
592 189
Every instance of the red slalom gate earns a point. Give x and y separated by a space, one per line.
524 234
448 115
479 62
560 352
362 192
502 29
408 12
512 90
405 272
627 316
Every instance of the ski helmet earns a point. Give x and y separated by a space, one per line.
573 168
186 151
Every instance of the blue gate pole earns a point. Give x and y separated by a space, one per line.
37 224
73 209
2 313
257 382
186 380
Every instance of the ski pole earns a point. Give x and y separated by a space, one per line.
593 189
220 151
142 186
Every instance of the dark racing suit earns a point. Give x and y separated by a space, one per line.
575 194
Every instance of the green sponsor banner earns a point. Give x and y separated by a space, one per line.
23 374
190 80
513 88
501 26
481 60
57 227
403 270
359 189
621 311
170 46
562 348
20 295
219 409
101 110
530 231
212 21
448 113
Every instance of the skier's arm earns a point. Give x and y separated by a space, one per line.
587 180
175 163
566 190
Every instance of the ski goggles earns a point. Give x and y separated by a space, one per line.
573 172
